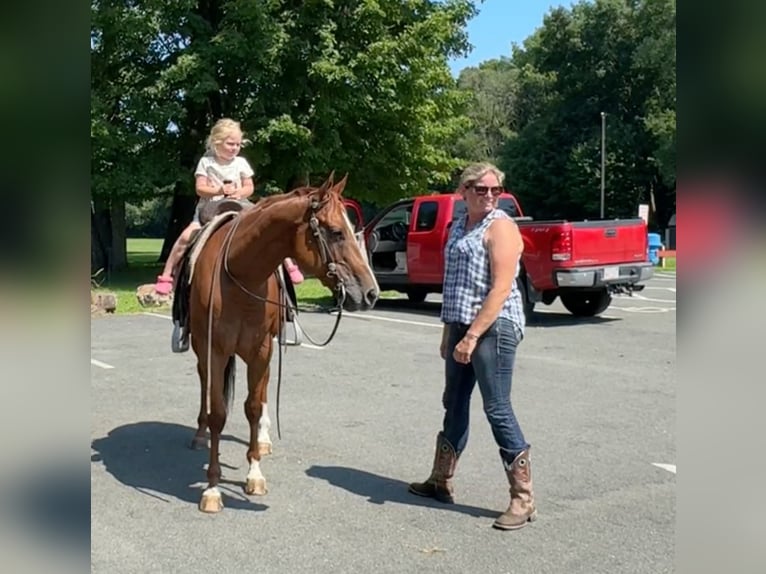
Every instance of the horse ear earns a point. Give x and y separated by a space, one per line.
331 178
341 185
327 184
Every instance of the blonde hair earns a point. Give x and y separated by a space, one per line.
476 171
222 129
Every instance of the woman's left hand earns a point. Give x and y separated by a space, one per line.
463 350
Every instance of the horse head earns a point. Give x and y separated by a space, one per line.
331 251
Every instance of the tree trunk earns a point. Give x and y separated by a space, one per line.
118 239
100 239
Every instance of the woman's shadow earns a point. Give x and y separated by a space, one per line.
381 489
154 458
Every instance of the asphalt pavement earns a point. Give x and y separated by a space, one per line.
595 398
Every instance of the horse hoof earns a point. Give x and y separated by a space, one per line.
256 486
198 443
264 448
211 501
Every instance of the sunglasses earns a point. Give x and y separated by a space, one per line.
482 190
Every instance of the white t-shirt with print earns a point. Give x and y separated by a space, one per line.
234 171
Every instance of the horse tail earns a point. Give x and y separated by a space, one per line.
229 377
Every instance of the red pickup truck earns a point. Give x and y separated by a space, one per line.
583 263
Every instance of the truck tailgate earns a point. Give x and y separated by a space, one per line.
608 242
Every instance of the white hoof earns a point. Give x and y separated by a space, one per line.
256 486
211 501
264 448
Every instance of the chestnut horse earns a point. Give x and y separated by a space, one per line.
234 305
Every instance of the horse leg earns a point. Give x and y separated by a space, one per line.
200 437
211 498
264 422
257 384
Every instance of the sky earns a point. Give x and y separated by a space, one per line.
499 24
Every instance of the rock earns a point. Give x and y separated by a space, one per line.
103 302
148 297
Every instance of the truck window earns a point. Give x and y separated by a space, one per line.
426 220
505 204
393 225
399 214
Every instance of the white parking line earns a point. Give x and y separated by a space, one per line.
392 320
544 311
642 298
310 346
668 467
168 317
642 309
100 364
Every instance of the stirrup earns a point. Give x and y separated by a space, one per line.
179 341
296 340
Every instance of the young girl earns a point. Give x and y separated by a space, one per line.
221 173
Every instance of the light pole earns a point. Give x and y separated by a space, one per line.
603 159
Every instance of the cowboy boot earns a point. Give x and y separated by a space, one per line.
522 507
439 484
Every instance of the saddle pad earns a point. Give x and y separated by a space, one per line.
204 234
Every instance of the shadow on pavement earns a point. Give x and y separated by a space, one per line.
155 459
381 489
566 320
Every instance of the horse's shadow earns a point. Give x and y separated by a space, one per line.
381 489
154 458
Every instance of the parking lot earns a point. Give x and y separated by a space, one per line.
595 397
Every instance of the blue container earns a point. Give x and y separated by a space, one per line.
655 244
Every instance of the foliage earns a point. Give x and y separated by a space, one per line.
358 86
492 87
148 218
612 56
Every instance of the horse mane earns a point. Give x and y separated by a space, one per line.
263 203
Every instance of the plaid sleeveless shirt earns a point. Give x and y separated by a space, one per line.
468 277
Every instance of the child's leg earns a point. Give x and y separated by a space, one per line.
165 280
292 269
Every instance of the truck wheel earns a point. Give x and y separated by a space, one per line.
417 295
529 306
586 303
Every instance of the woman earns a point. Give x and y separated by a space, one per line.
483 318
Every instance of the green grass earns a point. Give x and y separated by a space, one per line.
143 268
670 264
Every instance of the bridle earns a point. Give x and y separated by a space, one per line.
325 256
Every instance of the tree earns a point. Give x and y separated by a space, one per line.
615 56
358 86
492 87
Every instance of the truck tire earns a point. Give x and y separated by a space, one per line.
586 303
529 306
416 295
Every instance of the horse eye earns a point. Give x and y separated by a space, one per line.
337 234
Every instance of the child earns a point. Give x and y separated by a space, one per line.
221 173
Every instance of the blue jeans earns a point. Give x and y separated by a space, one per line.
491 366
